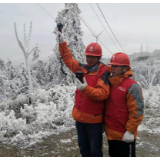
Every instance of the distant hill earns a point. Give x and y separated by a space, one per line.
145 57
140 56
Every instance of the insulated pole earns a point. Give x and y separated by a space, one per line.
97 35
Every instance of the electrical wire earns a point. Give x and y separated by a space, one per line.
95 36
45 11
83 22
59 44
88 24
104 26
110 27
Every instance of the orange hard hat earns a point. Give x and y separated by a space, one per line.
120 59
93 49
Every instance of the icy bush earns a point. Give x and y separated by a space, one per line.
152 97
50 113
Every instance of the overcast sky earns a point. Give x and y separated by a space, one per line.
133 24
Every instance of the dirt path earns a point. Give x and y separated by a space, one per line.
65 145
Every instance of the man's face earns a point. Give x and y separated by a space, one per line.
116 70
92 60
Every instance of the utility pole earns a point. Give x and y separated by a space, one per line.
97 35
147 46
141 49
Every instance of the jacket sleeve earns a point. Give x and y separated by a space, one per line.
102 90
71 63
135 105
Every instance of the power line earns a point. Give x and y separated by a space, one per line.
81 19
97 38
94 34
54 18
87 25
45 11
103 26
110 27
105 47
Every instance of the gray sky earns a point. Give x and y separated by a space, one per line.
133 24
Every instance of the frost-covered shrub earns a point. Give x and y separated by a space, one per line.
152 97
50 113
147 76
28 113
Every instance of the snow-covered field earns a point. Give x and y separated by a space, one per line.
50 114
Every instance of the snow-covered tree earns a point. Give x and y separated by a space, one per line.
147 73
2 65
7 80
27 52
69 17
45 73
13 81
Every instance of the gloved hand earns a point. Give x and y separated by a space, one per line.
60 37
128 137
80 85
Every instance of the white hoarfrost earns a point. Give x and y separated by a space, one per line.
49 114
51 111
69 18
25 125
27 52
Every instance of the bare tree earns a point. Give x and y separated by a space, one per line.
27 52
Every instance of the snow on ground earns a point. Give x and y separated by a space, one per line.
51 111
151 120
65 141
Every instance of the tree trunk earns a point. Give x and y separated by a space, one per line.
29 76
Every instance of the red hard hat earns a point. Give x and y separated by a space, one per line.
120 59
93 49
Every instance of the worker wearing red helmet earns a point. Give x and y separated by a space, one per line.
124 108
88 111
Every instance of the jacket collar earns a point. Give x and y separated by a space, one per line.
118 79
93 69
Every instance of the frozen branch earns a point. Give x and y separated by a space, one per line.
19 42
25 40
29 36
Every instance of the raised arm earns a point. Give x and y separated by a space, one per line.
71 63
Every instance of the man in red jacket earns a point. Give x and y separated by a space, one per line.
88 111
124 107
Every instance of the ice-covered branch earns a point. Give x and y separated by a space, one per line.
2 65
19 42
29 36
25 40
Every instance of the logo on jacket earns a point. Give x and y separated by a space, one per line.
91 49
122 89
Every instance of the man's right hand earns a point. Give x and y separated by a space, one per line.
60 37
